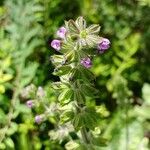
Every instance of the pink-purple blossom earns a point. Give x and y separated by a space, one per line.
86 62
30 103
103 45
38 119
61 32
56 44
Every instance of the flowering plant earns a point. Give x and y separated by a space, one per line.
76 88
75 42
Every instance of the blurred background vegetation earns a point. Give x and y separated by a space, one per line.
123 75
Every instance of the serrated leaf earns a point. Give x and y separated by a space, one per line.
65 96
79 96
89 90
92 116
86 74
88 121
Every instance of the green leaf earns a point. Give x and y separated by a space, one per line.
3 117
28 73
2 89
89 90
63 70
70 56
73 29
2 146
22 108
77 122
60 85
66 116
81 23
99 141
79 96
87 75
12 129
86 118
91 117
89 122
142 111
5 78
75 74
92 40
93 29
58 59
117 61
65 96
71 145
9 142
146 93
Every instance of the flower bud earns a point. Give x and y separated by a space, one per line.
28 91
103 45
56 44
61 32
30 103
38 119
86 62
40 92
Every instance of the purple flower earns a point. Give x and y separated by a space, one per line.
103 45
86 62
38 119
56 44
61 32
30 103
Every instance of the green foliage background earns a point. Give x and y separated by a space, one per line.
122 73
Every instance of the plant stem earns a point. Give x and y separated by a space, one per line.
84 135
126 122
13 103
83 130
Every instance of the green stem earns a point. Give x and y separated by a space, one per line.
83 130
84 135
126 122
13 103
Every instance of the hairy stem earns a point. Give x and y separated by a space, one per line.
84 135
83 130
